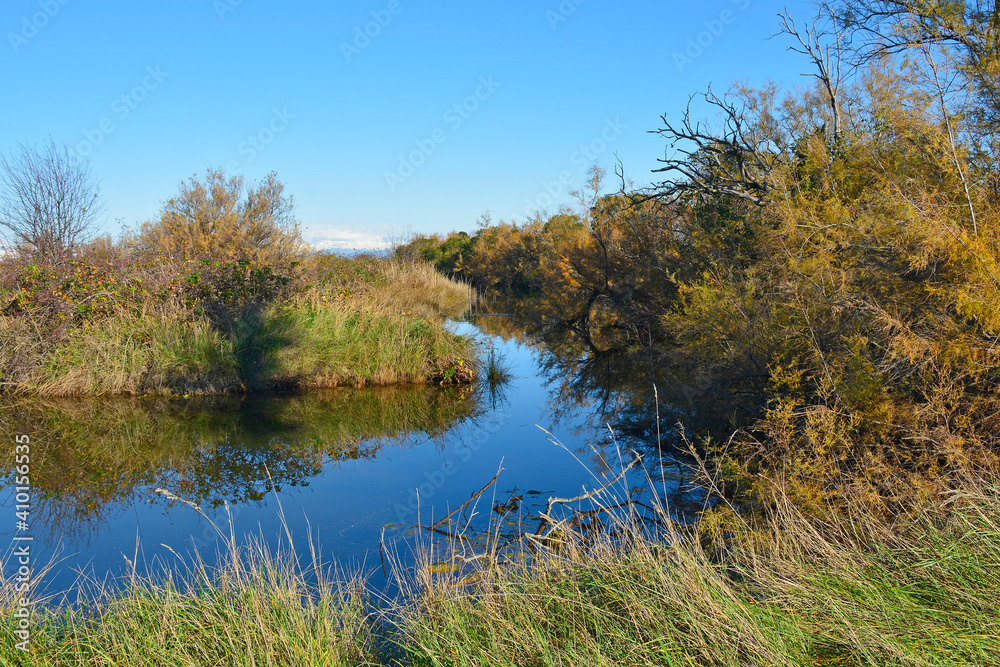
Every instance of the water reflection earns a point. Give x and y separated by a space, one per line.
91 456
642 395
349 469
613 401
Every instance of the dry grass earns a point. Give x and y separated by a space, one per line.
419 288
791 590
390 332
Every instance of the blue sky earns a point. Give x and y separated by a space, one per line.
381 117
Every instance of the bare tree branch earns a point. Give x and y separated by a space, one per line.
827 59
735 161
971 28
49 200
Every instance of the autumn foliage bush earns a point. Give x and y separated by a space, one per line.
224 218
219 294
847 319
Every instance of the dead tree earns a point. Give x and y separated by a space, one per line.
825 49
734 161
49 200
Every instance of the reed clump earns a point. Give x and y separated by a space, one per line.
117 322
787 589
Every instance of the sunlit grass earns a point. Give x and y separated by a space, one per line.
365 343
791 590
386 329
256 607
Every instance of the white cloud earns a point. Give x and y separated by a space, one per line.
343 238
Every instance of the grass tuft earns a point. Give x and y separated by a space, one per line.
789 590
361 322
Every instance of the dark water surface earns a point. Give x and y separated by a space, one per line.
348 468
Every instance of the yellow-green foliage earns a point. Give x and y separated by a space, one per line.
221 217
219 295
869 274
364 321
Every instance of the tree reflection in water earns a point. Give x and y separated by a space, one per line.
622 398
91 456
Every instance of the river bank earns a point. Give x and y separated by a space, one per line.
105 323
788 591
778 587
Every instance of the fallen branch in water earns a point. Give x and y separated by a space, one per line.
554 533
546 516
475 496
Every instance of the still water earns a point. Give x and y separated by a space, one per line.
113 481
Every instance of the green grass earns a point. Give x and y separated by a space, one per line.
791 591
256 608
384 328
496 369
800 592
365 345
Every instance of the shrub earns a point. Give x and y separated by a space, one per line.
222 218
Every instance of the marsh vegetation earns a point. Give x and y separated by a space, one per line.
220 295
804 315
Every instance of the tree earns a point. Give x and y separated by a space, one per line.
827 58
969 27
735 160
49 200
222 217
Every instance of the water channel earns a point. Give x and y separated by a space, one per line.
353 471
